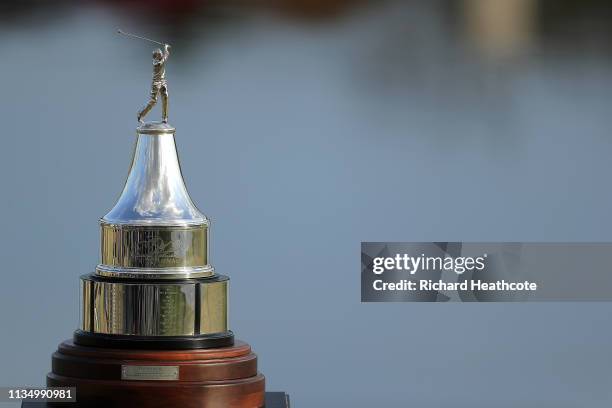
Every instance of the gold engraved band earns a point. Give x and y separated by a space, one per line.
155 252
154 309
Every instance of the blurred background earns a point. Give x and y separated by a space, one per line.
305 127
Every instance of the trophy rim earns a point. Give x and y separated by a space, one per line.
122 279
135 273
156 128
155 222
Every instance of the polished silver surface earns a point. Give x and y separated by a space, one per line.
154 309
154 231
154 276
155 273
179 249
155 128
85 300
155 193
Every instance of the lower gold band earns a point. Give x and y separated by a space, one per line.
154 309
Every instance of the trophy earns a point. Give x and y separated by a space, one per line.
154 323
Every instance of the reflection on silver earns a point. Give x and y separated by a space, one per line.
153 247
154 193
154 231
155 273
147 309
85 298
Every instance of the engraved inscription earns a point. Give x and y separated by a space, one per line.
149 372
154 247
151 251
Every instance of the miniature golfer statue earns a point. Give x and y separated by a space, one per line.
159 85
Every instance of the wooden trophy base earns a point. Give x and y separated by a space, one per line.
224 377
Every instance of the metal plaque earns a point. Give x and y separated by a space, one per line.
149 372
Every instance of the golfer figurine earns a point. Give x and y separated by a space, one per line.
159 85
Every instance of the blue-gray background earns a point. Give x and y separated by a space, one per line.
304 128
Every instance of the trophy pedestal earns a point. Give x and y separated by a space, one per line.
153 328
273 400
214 377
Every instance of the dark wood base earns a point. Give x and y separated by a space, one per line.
221 377
273 400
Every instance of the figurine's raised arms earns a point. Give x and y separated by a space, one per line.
159 85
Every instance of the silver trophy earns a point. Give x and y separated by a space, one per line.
154 285
153 329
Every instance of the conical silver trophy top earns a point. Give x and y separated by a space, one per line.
154 231
154 192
